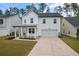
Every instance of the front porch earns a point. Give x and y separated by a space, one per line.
24 32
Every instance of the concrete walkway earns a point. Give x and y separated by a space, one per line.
52 47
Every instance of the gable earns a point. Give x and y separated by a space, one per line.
29 13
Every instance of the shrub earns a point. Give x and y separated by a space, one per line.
10 37
7 37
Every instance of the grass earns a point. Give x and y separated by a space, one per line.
15 47
72 42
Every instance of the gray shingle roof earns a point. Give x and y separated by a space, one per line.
7 15
49 15
44 14
73 20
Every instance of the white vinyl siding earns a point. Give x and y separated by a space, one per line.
49 33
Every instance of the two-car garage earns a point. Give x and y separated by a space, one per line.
49 33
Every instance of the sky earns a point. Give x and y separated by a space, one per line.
4 6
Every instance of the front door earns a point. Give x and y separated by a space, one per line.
31 32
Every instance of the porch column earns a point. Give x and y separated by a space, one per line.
21 32
35 32
15 32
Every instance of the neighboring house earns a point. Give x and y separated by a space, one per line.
38 24
6 24
70 26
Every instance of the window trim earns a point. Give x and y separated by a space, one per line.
63 24
31 30
2 21
31 20
55 21
25 21
68 32
44 21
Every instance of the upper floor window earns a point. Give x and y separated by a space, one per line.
63 24
69 32
24 20
44 21
55 21
1 21
31 20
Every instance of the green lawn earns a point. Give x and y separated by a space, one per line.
15 47
72 42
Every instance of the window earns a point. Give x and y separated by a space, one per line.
12 33
24 34
24 20
63 24
55 21
44 21
31 20
63 31
1 21
31 30
69 32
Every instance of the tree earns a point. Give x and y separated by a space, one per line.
22 11
67 8
48 10
1 12
7 12
42 6
75 8
77 12
33 7
14 10
28 7
58 9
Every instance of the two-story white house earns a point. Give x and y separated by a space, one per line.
35 25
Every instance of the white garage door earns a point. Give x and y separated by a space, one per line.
49 33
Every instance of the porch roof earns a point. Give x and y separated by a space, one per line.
33 25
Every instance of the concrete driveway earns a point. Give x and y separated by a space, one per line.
51 47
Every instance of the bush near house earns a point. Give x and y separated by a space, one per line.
10 37
7 37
